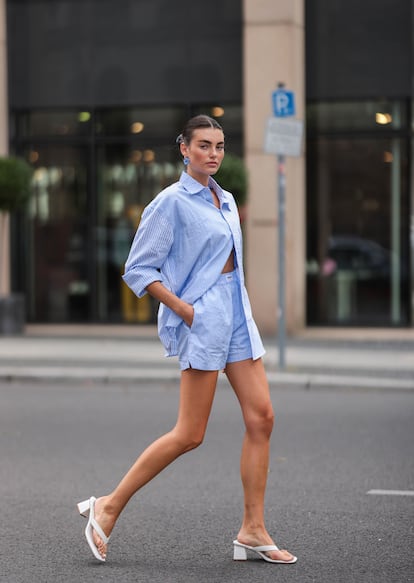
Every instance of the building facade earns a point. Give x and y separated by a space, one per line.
97 92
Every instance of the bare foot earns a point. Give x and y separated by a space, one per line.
254 540
106 521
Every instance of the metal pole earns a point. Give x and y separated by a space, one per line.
281 325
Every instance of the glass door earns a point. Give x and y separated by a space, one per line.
58 285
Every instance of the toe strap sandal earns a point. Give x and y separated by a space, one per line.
87 509
240 553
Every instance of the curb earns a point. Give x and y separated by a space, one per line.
313 381
303 380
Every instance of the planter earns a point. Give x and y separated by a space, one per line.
12 315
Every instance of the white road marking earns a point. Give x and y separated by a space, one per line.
392 492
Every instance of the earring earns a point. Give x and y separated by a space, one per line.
186 160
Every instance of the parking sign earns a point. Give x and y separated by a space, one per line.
283 103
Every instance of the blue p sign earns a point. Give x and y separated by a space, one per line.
283 103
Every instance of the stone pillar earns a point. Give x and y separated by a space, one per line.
4 148
273 52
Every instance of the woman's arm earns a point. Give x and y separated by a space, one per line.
158 291
150 248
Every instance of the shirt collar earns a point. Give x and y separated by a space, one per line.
192 186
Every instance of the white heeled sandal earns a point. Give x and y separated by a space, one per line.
87 509
240 553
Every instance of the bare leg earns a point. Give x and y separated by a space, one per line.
249 382
197 391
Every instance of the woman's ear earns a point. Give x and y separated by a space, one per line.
183 149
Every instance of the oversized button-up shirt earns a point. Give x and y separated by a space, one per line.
184 241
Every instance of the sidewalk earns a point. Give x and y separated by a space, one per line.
380 359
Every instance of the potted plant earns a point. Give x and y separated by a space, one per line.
15 180
232 176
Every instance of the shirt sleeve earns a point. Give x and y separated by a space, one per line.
149 249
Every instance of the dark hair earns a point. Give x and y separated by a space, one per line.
195 123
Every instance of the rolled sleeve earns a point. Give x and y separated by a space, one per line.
149 250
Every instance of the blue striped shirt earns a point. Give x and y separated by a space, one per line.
184 241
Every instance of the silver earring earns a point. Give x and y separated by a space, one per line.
186 160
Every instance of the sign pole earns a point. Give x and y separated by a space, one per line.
282 102
281 320
283 137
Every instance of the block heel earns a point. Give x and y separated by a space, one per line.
239 553
83 508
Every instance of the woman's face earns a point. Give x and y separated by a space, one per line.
205 151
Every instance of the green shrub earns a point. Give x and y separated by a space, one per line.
15 180
232 176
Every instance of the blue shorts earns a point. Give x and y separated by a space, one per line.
219 333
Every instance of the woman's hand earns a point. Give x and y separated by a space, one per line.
188 314
186 311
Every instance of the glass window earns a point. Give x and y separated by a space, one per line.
142 123
54 123
356 115
357 231
128 179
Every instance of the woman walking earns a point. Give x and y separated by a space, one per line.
187 254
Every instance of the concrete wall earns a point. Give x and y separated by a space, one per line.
273 52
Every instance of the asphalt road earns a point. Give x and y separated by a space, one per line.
61 444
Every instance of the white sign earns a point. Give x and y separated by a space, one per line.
283 136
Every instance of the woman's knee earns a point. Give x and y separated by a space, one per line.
261 422
187 441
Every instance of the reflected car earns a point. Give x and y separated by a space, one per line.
364 257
